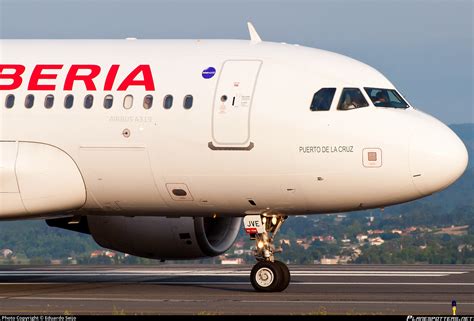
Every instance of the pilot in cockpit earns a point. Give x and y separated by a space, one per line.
352 98
348 102
380 99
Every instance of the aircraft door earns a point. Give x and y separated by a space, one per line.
232 104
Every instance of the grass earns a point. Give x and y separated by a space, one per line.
118 311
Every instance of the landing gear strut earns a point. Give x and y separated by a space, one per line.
268 275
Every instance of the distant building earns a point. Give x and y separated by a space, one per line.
376 241
454 230
361 238
239 244
323 238
395 231
223 256
371 232
409 230
110 254
344 259
333 260
329 238
301 241
71 260
468 247
425 229
229 261
98 253
6 253
239 252
285 241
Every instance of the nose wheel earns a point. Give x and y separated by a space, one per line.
268 275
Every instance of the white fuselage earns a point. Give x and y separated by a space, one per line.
263 145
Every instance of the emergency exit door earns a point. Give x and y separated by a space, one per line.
232 104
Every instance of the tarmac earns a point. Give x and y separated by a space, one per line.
226 289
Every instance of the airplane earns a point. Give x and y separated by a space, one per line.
161 148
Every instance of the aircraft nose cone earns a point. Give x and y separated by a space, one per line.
438 158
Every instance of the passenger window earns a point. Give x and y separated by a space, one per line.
9 101
68 101
49 101
29 101
351 98
128 102
168 101
322 99
88 101
148 101
108 101
188 102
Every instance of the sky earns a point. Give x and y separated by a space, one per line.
424 47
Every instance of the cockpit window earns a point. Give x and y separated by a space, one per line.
351 98
322 99
386 98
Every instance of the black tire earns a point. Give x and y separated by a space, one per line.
285 276
266 276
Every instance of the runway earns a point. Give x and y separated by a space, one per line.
218 289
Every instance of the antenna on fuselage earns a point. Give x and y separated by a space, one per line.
254 37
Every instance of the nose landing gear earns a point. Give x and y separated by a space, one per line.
268 275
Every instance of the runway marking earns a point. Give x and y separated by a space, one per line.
324 283
243 301
220 271
244 283
383 283
232 273
354 302
98 299
229 275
